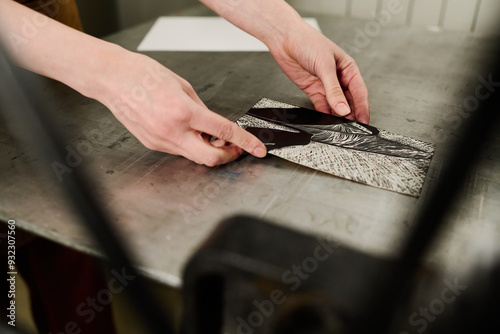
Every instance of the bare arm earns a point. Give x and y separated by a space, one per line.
315 64
160 108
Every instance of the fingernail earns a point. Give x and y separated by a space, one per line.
259 152
342 109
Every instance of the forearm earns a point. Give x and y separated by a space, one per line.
268 20
52 49
157 106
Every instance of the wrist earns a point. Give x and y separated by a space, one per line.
280 26
271 21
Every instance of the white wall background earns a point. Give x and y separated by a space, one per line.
479 16
102 17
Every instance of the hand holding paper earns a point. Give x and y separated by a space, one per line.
170 117
315 64
325 73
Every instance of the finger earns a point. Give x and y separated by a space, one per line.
348 96
349 99
320 103
333 90
190 91
212 140
359 92
350 117
318 98
202 152
220 127
219 143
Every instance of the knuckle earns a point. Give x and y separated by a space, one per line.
336 91
186 86
350 61
184 83
226 131
212 160
347 62
247 143
177 115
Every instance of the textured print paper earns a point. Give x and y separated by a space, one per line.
388 161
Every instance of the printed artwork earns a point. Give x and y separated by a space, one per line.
340 147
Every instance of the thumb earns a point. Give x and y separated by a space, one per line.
333 91
220 127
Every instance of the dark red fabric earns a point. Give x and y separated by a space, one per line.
60 280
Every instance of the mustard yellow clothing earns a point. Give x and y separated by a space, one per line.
64 11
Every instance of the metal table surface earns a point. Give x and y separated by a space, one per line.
166 205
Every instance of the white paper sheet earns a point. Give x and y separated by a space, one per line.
188 33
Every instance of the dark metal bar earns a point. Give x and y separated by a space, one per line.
474 136
19 88
442 13
409 13
476 14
